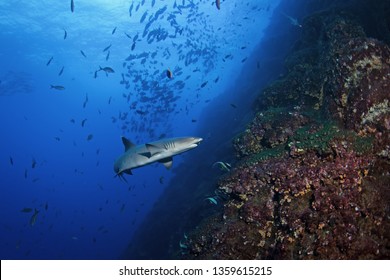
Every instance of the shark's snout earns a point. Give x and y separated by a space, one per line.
193 142
197 140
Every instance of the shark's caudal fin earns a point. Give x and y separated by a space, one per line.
128 144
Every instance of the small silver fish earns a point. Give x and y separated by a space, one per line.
212 200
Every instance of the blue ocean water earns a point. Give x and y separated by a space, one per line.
62 118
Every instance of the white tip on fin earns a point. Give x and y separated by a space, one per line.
128 144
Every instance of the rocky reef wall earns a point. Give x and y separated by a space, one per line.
312 174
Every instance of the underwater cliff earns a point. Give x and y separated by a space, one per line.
309 176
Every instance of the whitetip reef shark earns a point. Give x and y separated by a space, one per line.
159 151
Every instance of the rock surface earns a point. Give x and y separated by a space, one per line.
312 179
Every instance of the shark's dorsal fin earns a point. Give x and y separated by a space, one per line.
128 144
167 162
153 149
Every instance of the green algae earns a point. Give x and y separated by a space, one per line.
318 138
265 154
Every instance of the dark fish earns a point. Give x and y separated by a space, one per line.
65 34
128 36
193 120
83 122
72 121
47 64
131 8
133 46
107 48
106 69
57 138
83 53
46 206
218 4
216 80
26 210
95 76
62 70
57 87
72 6
135 38
233 105
204 84
113 31
109 100
161 180
169 74
89 138
11 161
34 163
85 101
34 216
143 17
25 173
108 55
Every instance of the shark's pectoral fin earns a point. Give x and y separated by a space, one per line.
147 154
128 144
153 149
167 162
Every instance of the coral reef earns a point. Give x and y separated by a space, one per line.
312 179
